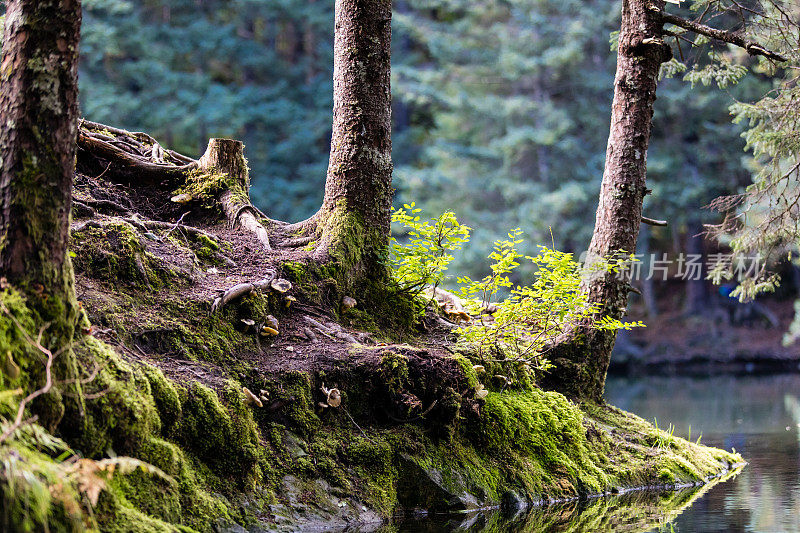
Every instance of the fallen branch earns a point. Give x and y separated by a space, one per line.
138 136
332 331
653 222
133 167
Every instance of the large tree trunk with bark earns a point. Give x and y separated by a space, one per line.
582 361
353 223
38 127
39 112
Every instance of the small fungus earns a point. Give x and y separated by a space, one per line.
348 303
480 392
272 322
333 397
479 369
289 299
182 198
281 285
267 331
11 367
251 398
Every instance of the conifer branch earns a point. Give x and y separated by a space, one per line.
736 39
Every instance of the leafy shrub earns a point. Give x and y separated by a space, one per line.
531 315
427 252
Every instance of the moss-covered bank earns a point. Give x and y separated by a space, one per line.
217 460
166 416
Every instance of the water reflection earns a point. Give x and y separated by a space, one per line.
759 416
632 512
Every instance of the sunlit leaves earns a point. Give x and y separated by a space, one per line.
423 255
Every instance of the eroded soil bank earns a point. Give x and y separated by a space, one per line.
349 413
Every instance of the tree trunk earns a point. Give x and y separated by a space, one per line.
697 294
39 112
354 218
581 363
39 124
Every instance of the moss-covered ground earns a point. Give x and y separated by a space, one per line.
152 429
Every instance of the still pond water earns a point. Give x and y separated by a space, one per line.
758 416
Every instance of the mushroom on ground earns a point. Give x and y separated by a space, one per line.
267 331
182 198
281 285
333 397
348 303
250 398
480 392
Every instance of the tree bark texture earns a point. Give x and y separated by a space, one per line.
581 365
227 155
356 211
39 113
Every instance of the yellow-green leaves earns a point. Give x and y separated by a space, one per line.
426 248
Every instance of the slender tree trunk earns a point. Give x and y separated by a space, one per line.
581 364
39 112
354 218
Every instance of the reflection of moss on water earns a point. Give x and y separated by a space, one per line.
636 511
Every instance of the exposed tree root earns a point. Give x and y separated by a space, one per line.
137 159
240 290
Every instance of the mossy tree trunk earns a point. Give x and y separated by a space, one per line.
353 222
38 128
39 113
582 360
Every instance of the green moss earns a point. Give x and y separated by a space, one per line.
394 371
119 410
114 253
223 436
293 390
166 398
205 186
29 504
467 367
548 429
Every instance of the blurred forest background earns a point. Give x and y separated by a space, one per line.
501 113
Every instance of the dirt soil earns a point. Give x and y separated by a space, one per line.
135 328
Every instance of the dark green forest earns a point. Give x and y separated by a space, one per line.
500 108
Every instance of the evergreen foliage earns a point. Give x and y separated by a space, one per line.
500 108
